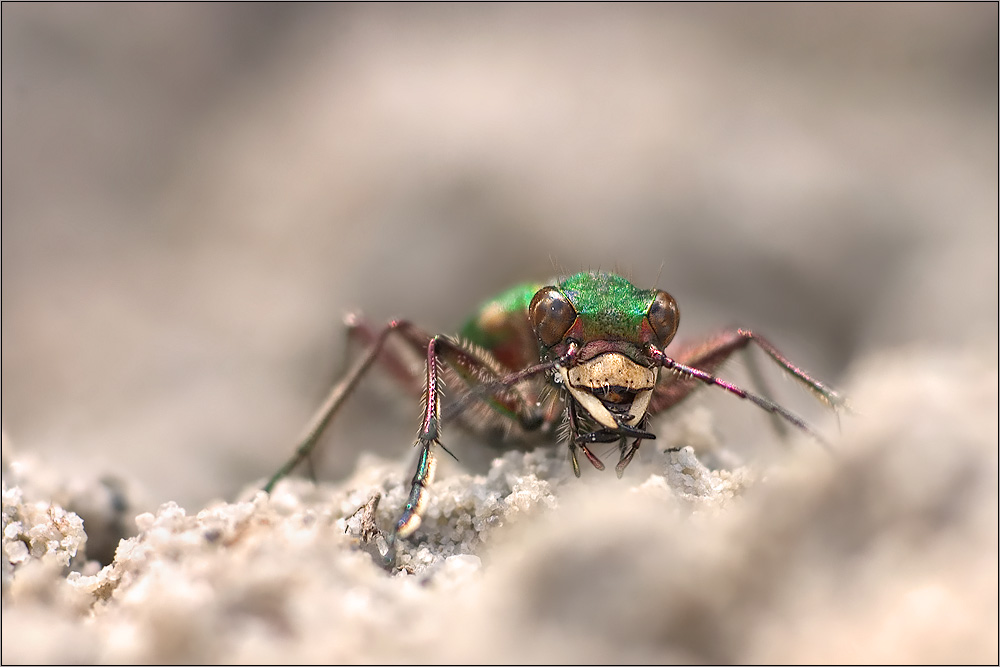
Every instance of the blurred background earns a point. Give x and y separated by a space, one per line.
194 195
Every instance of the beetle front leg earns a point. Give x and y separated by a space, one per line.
430 432
457 357
707 356
684 377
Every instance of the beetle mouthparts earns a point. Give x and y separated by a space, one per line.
612 388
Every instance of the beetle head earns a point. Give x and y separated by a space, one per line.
615 329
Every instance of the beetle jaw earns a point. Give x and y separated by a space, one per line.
611 384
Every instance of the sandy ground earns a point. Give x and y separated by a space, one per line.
194 196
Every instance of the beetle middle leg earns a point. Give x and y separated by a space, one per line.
334 400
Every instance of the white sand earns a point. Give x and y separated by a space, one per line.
884 552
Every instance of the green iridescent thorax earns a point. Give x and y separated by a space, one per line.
608 306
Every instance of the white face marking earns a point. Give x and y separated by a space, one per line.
607 370
610 369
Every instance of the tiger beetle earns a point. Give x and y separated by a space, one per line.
588 353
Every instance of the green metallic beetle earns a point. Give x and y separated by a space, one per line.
587 352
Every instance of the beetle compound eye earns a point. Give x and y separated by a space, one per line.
664 317
551 315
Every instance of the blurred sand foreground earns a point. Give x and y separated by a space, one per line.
885 552
195 195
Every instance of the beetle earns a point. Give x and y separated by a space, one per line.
587 353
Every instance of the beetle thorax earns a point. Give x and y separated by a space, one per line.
612 388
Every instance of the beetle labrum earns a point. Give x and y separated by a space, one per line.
588 352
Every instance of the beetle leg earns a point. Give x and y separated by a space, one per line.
340 391
477 368
455 356
400 364
486 379
430 432
689 372
334 400
709 355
